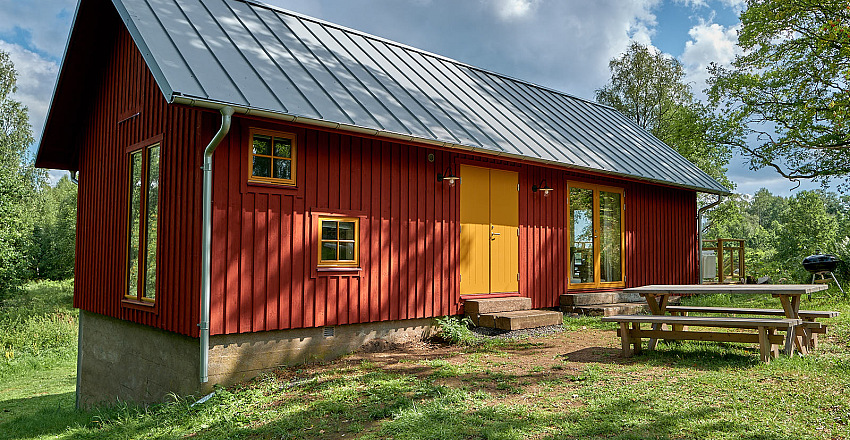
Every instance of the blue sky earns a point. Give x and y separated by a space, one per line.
562 44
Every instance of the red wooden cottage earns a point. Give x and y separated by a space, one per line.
334 215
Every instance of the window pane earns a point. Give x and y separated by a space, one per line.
134 223
262 166
283 147
151 223
346 251
328 251
262 144
346 231
328 230
282 169
581 235
610 218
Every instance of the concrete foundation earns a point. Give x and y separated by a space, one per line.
120 361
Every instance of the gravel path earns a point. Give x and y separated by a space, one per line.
486 332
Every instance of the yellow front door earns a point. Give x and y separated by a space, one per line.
489 240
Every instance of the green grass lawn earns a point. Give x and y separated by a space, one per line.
570 385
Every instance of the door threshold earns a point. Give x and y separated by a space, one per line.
488 295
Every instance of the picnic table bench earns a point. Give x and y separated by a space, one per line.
800 329
809 317
765 335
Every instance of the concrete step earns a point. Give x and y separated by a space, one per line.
590 298
521 319
473 308
607 309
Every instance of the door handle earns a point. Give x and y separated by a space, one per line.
493 235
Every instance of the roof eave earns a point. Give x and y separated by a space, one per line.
177 98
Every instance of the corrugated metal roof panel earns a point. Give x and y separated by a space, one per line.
261 58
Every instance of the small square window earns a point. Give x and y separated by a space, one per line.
339 242
272 157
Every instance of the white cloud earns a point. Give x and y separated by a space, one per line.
563 44
44 23
735 5
710 42
54 176
693 3
513 9
36 78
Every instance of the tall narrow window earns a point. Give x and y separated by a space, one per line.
339 242
581 235
272 157
142 224
610 240
596 236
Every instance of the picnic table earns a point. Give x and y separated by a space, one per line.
799 331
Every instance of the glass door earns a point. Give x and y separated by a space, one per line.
596 236
581 236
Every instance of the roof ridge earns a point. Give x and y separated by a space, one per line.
418 50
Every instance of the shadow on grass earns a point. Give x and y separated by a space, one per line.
623 418
39 416
454 415
711 356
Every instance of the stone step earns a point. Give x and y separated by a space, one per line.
629 308
521 319
591 298
473 308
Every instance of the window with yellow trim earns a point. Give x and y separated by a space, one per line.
272 157
339 242
142 224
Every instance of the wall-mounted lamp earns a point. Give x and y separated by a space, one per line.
542 187
448 176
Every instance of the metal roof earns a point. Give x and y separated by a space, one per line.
264 60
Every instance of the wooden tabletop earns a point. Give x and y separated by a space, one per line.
679 289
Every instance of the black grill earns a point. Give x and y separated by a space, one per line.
820 263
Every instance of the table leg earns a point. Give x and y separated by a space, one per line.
658 306
636 341
764 344
813 337
774 348
791 305
626 339
790 338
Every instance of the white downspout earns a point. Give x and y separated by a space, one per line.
699 232
206 238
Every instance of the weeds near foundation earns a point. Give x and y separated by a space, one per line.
455 330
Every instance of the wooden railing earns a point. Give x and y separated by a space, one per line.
730 260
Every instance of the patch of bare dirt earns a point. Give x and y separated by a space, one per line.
518 364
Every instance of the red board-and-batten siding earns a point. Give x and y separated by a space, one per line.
263 265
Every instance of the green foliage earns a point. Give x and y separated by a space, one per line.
54 232
19 183
791 88
37 327
780 232
650 88
455 330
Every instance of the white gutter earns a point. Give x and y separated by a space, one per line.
206 238
699 233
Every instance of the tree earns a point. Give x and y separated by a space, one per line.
650 88
807 227
19 182
791 88
52 251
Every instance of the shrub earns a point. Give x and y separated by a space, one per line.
455 330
